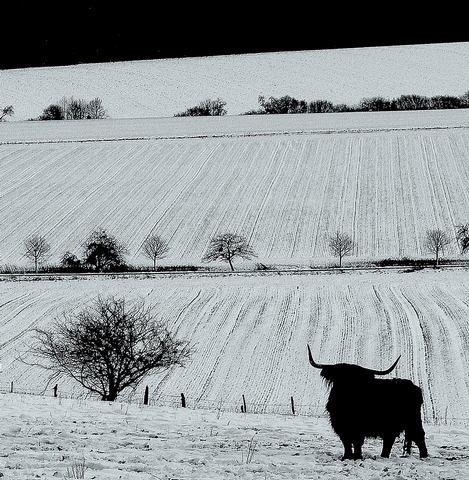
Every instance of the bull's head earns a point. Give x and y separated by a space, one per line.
345 372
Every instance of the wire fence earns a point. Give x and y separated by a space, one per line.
244 405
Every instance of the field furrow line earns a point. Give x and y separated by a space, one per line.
422 352
277 161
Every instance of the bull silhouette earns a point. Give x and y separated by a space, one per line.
362 406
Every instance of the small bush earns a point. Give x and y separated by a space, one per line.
206 108
282 105
374 104
321 106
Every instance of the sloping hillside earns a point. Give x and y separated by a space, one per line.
283 182
249 335
158 88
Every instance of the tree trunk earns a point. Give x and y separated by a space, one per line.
110 397
231 264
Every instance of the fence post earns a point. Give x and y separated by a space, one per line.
292 405
244 405
55 390
11 387
145 396
183 400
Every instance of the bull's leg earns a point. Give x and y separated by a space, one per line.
388 442
419 439
416 434
348 453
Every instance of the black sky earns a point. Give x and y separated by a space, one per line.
45 34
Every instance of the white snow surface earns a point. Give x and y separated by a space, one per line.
284 182
47 437
249 334
162 88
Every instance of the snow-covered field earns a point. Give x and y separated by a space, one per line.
250 332
162 88
47 437
282 181
285 182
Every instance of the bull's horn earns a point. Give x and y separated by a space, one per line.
389 370
312 362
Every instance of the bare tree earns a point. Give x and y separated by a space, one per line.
95 109
435 242
341 244
108 346
36 249
226 247
154 247
6 111
76 109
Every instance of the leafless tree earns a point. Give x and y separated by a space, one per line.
226 247
36 249
435 242
108 346
341 244
6 111
76 109
154 247
95 109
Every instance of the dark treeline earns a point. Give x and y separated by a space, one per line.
287 104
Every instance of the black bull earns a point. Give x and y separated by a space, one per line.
361 406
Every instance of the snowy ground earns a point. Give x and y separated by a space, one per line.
162 88
45 438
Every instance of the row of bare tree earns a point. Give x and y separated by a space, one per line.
103 252
435 242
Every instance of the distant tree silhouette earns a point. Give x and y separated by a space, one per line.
341 244
206 108
6 111
36 249
435 242
226 247
154 247
103 251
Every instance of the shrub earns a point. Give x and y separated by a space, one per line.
444 102
285 104
52 112
374 104
69 261
104 252
321 106
410 102
206 108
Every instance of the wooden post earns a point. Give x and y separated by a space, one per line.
183 400
11 387
55 390
244 404
292 405
145 397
